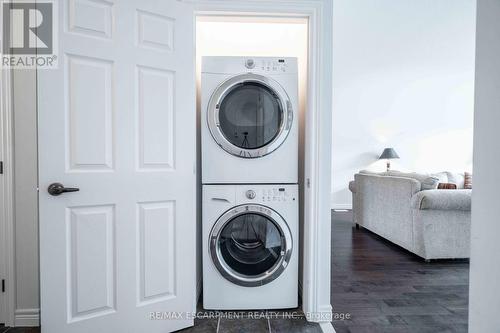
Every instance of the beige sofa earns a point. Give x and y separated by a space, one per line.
434 224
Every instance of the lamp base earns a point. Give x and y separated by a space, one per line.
388 166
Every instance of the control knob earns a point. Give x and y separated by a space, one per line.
250 194
249 63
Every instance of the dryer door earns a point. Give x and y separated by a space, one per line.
250 245
250 115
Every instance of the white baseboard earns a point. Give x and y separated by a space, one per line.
327 327
323 314
27 317
341 206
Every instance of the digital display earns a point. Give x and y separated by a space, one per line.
281 60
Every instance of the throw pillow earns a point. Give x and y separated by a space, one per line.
468 180
447 186
429 183
456 178
443 177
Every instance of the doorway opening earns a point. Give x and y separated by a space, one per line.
256 36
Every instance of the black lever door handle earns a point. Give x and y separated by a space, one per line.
58 189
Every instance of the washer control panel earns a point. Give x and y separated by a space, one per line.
265 194
271 194
276 194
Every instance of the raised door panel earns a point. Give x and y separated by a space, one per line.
89 88
91 17
156 119
91 261
155 31
156 251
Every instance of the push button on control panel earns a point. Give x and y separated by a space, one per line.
275 194
278 65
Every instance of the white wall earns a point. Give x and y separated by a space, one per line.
403 78
484 300
25 198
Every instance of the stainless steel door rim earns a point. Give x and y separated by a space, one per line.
222 91
251 280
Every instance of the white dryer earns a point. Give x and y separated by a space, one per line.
249 120
250 247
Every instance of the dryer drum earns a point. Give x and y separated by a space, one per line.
250 115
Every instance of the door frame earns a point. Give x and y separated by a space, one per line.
7 303
317 170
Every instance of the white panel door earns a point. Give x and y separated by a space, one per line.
117 120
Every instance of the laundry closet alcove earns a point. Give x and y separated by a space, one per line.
230 30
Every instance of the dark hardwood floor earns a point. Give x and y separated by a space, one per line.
381 286
4 329
387 289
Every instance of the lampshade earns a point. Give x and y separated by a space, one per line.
388 153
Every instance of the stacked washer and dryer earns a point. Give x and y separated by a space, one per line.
249 141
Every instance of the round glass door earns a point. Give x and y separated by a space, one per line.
249 115
249 246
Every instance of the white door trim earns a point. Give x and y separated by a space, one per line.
317 238
7 303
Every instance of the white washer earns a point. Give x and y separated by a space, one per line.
250 247
249 120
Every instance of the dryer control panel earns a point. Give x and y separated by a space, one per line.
272 65
258 65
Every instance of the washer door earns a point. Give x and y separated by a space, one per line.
250 115
250 245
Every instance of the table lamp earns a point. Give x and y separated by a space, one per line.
388 154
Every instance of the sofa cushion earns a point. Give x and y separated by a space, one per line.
428 182
442 200
370 172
